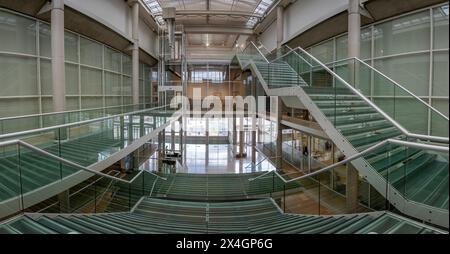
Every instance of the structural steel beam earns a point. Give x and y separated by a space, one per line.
217 12
211 29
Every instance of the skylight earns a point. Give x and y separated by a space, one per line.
155 9
260 9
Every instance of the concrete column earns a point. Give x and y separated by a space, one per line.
280 30
352 189
354 28
279 141
135 50
354 38
57 45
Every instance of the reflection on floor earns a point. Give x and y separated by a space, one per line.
219 158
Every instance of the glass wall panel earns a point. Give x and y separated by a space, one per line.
45 45
47 104
91 81
366 43
342 47
18 75
404 34
72 103
324 52
127 100
71 79
112 83
440 74
46 77
440 28
19 106
126 85
411 71
90 52
112 59
17 34
113 101
126 64
439 127
91 102
71 47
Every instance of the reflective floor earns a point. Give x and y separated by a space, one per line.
219 158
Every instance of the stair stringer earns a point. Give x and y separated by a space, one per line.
414 209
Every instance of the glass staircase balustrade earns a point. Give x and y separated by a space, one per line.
27 172
362 126
30 122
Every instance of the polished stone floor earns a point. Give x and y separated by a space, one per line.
219 158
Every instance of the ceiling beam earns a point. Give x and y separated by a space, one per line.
217 12
216 29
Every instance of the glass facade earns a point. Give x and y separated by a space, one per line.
412 49
96 75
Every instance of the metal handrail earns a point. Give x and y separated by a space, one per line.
389 79
395 123
66 112
356 156
256 164
252 43
15 134
354 90
370 67
70 163
80 190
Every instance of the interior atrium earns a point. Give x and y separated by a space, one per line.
224 117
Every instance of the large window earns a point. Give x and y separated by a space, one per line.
96 75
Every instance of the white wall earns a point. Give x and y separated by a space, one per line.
116 14
148 40
300 16
304 14
269 37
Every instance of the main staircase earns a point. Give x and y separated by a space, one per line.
260 216
413 179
